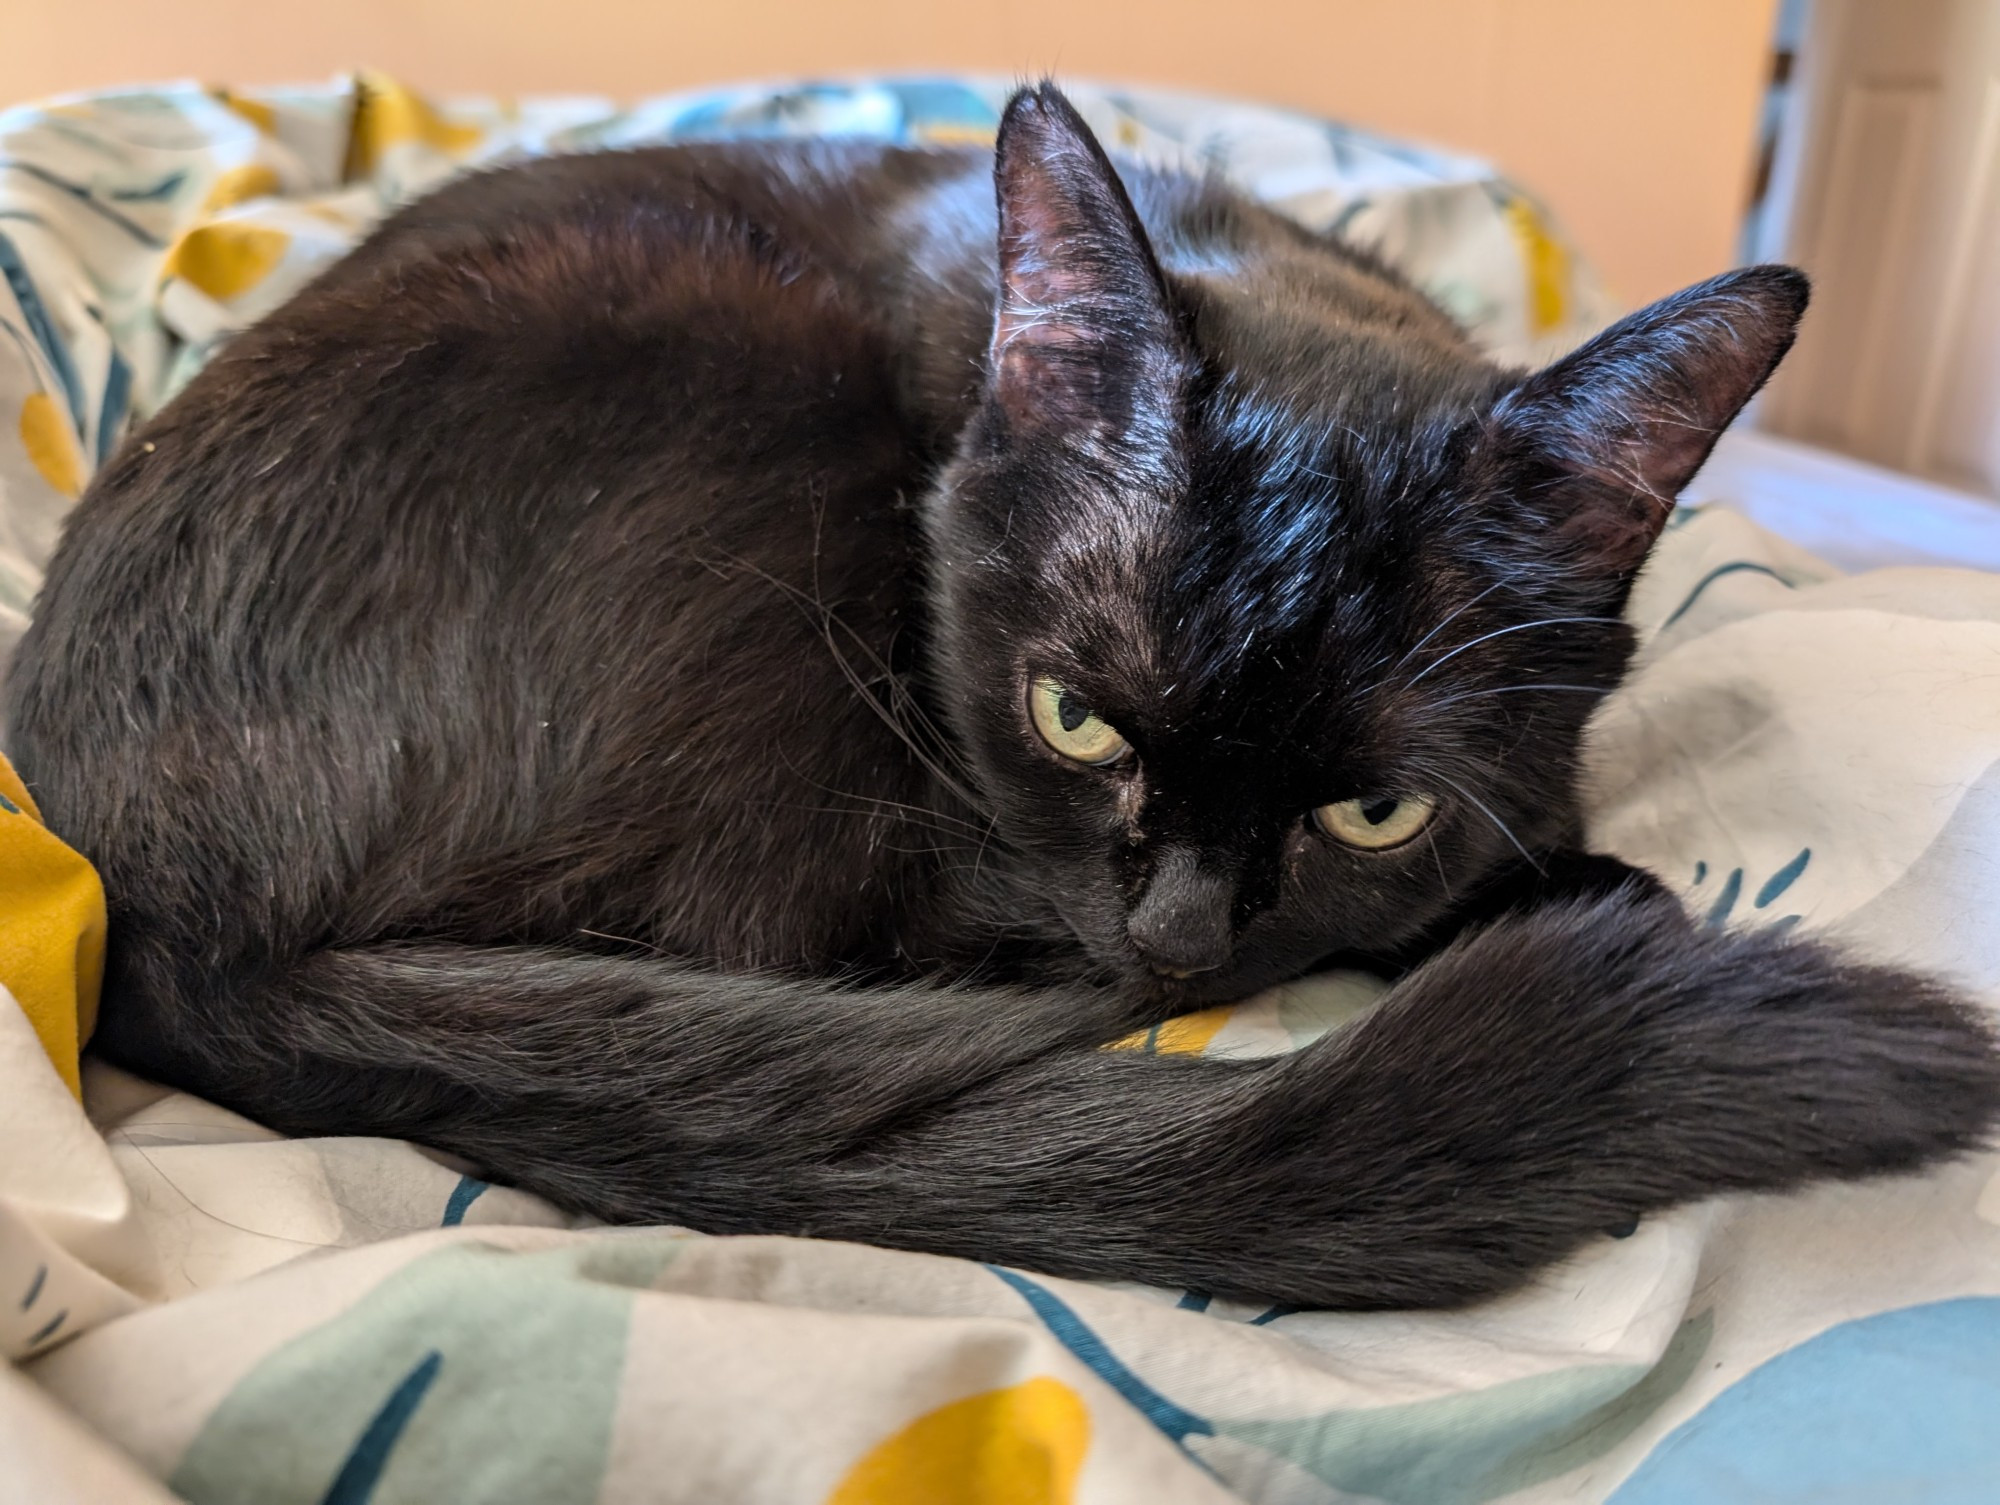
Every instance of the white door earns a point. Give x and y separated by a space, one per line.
1891 163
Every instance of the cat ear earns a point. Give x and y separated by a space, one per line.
1610 434
1083 335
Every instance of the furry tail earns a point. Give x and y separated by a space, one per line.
1542 1080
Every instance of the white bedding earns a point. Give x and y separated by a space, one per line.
195 1300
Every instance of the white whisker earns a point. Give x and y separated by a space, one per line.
1505 830
1501 632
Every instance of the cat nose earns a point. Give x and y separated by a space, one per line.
1181 925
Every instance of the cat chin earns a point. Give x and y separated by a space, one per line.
1167 996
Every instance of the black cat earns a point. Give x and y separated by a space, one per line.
640 676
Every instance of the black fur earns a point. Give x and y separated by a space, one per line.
558 691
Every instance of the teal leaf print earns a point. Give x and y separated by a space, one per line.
1783 878
1074 1334
463 1195
1724 906
358 1476
1716 574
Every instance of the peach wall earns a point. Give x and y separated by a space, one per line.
1633 118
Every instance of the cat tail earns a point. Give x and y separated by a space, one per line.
1537 1083
1565 1070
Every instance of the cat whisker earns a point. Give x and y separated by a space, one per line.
1437 859
952 839
903 702
917 815
1417 647
1501 632
624 940
1451 700
827 621
1456 613
1504 829
979 857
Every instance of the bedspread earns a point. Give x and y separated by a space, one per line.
197 1305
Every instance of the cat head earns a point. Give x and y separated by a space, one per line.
1270 614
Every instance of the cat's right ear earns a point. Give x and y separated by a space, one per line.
1602 441
1084 339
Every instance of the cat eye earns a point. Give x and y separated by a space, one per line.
1071 727
1375 825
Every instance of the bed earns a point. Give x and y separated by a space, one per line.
197 1307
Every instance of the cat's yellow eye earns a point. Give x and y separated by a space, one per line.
1071 727
1375 825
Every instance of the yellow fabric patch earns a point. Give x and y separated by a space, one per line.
1023 1445
227 259
388 114
239 185
340 219
51 447
1189 1034
51 928
256 112
1183 1035
1546 261
955 135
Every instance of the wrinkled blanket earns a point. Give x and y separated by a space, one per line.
198 1305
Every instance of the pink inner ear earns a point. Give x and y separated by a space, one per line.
1043 300
1615 532
1083 311
1618 470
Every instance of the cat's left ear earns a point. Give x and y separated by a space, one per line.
1084 339
1602 441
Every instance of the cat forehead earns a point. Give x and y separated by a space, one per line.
1194 610
1262 586
1267 519
1251 491
1281 431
